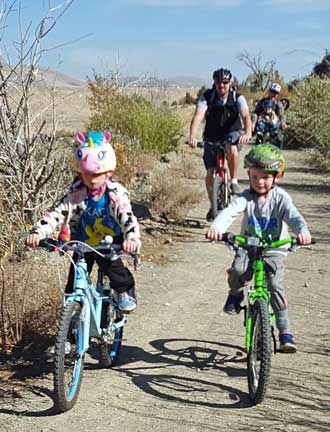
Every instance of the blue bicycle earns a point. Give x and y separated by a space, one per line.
88 314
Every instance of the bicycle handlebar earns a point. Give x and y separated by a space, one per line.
247 242
201 144
52 245
105 249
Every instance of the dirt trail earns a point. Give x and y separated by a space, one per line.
183 365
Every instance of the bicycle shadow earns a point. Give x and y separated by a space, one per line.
197 355
16 383
36 390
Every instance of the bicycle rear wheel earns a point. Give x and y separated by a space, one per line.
260 352
69 364
219 195
111 344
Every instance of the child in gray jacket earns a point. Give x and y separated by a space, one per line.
268 211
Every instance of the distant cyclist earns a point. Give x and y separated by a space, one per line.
225 112
259 112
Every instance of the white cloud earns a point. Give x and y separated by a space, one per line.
191 3
296 6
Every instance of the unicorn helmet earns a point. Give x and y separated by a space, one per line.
94 154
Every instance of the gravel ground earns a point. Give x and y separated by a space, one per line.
183 365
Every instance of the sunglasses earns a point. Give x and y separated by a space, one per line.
222 82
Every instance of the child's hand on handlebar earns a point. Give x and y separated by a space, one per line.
305 238
130 246
213 234
33 240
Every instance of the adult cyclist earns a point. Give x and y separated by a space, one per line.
227 118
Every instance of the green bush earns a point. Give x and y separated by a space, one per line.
133 119
308 116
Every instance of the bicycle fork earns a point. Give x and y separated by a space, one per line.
257 291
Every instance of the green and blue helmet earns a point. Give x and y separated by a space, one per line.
267 157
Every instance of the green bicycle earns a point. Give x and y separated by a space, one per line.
259 319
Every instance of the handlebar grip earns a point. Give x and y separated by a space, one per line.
313 241
48 243
228 237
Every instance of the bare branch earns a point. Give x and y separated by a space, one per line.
262 72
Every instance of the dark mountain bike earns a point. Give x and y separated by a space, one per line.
220 193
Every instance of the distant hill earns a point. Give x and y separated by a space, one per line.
50 78
46 77
189 81
177 81
71 95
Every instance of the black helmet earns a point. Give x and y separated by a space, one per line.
222 75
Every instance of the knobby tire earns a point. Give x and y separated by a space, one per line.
110 351
69 364
259 356
219 195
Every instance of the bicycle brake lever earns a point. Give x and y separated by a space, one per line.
137 261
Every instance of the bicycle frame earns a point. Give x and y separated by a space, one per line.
220 192
221 161
91 300
258 318
88 313
259 289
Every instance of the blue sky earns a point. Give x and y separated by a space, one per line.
168 38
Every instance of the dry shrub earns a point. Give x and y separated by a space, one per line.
316 159
131 162
188 99
189 168
125 168
30 300
171 197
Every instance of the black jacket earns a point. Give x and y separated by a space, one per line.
221 119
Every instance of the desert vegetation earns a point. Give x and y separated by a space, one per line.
35 163
135 121
33 170
308 119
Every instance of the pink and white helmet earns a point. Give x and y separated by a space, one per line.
95 154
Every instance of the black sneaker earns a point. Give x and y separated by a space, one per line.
233 304
209 215
234 188
287 344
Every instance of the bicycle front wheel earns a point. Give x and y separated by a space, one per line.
69 364
259 352
219 195
111 343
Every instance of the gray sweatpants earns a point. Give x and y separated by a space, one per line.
240 273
